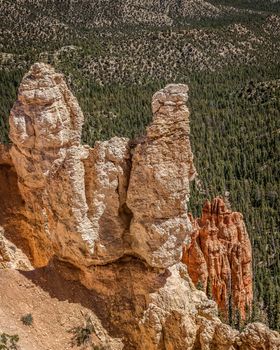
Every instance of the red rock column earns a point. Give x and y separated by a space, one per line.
219 257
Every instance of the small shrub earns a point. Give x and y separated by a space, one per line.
199 285
27 320
81 334
8 342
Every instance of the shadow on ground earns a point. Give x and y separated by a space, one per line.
117 293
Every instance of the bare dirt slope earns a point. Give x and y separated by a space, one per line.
53 302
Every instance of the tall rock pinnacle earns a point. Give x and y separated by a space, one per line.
114 218
219 257
159 206
93 206
45 128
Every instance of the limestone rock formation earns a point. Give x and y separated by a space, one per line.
106 180
158 205
11 256
114 218
45 128
219 257
159 310
257 336
85 204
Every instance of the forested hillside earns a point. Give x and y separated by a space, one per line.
226 51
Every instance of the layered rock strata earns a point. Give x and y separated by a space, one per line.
114 217
219 257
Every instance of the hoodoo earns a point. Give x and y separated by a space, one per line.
219 258
113 218
92 206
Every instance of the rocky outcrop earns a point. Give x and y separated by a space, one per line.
107 170
11 256
114 217
219 257
257 336
159 206
45 128
154 309
92 206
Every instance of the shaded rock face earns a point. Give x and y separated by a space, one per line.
107 170
219 257
112 218
13 223
158 310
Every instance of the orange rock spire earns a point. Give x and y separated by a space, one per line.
219 257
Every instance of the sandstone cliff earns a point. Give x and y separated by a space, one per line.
112 218
219 257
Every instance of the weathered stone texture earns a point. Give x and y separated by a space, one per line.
45 128
11 256
114 218
219 257
106 180
159 206
92 206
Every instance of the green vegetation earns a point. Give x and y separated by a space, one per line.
231 64
236 146
27 319
260 5
199 285
8 342
85 335
82 334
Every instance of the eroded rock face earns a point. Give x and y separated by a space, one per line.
5 158
11 256
45 128
156 310
92 206
114 218
257 336
219 257
159 206
107 176
74 195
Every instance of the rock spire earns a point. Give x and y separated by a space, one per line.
114 218
93 206
219 257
